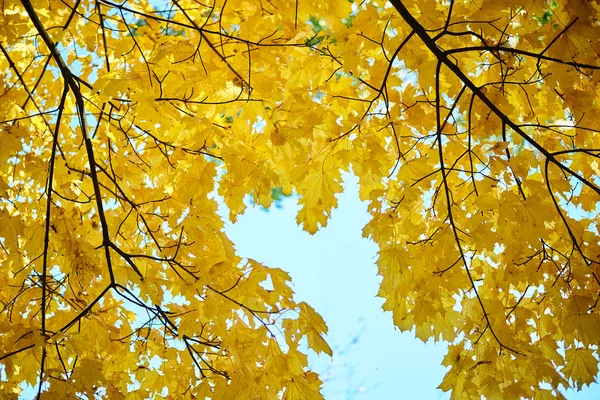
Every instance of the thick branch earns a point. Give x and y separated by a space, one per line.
49 191
71 83
442 56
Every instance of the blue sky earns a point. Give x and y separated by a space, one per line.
334 271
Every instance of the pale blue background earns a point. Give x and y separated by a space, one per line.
334 271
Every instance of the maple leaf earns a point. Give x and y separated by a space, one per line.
581 367
303 387
11 228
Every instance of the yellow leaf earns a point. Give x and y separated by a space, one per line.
89 373
11 228
581 366
315 328
303 387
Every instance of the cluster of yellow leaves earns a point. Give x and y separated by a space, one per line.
117 125
473 128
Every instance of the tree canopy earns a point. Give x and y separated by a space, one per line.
473 127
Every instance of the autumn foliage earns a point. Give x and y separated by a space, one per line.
473 127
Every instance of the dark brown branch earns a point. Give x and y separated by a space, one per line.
450 213
442 56
49 190
42 367
511 50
